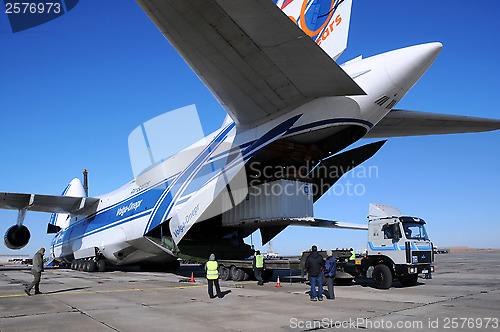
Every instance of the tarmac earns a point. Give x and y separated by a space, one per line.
464 295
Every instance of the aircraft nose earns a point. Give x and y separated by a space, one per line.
405 66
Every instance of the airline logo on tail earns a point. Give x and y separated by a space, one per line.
325 21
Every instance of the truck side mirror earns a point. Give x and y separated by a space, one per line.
395 228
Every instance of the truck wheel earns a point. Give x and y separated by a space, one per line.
237 274
246 275
224 273
409 280
382 277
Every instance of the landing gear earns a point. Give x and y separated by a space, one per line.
101 265
88 265
85 266
79 265
91 266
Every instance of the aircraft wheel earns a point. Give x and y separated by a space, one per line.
101 265
91 266
382 276
85 266
73 264
79 264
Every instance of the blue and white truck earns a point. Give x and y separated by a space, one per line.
398 249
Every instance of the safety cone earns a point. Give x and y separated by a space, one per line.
278 283
192 277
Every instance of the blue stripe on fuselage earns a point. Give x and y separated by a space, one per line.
107 217
165 203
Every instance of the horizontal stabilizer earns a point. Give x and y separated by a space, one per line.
331 170
331 224
250 55
399 123
48 203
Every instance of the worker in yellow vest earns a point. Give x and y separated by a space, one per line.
212 269
258 267
352 258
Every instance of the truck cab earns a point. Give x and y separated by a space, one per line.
398 248
400 242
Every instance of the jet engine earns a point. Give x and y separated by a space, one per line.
16 237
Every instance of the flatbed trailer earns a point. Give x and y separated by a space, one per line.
239 270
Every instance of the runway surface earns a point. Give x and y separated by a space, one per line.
464 294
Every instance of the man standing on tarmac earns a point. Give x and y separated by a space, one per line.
314 264
258 266
212 269
36 270
330 272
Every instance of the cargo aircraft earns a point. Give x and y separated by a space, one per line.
271 64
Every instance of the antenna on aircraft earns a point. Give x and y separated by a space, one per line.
85 181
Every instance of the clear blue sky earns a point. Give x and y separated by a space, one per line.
73 89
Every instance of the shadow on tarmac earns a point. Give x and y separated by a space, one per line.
67 290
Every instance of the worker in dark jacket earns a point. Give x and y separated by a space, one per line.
258 266
314 266
330 272
36 270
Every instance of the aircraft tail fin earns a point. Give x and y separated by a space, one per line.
61 220
325 21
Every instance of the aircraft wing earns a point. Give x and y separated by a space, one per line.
331 224
48 203
399 123
249 54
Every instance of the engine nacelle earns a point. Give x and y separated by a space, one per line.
16 237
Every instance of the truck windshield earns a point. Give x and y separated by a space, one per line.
415 231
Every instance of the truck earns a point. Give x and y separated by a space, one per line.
398 248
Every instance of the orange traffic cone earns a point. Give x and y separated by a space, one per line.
192 277
278 283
